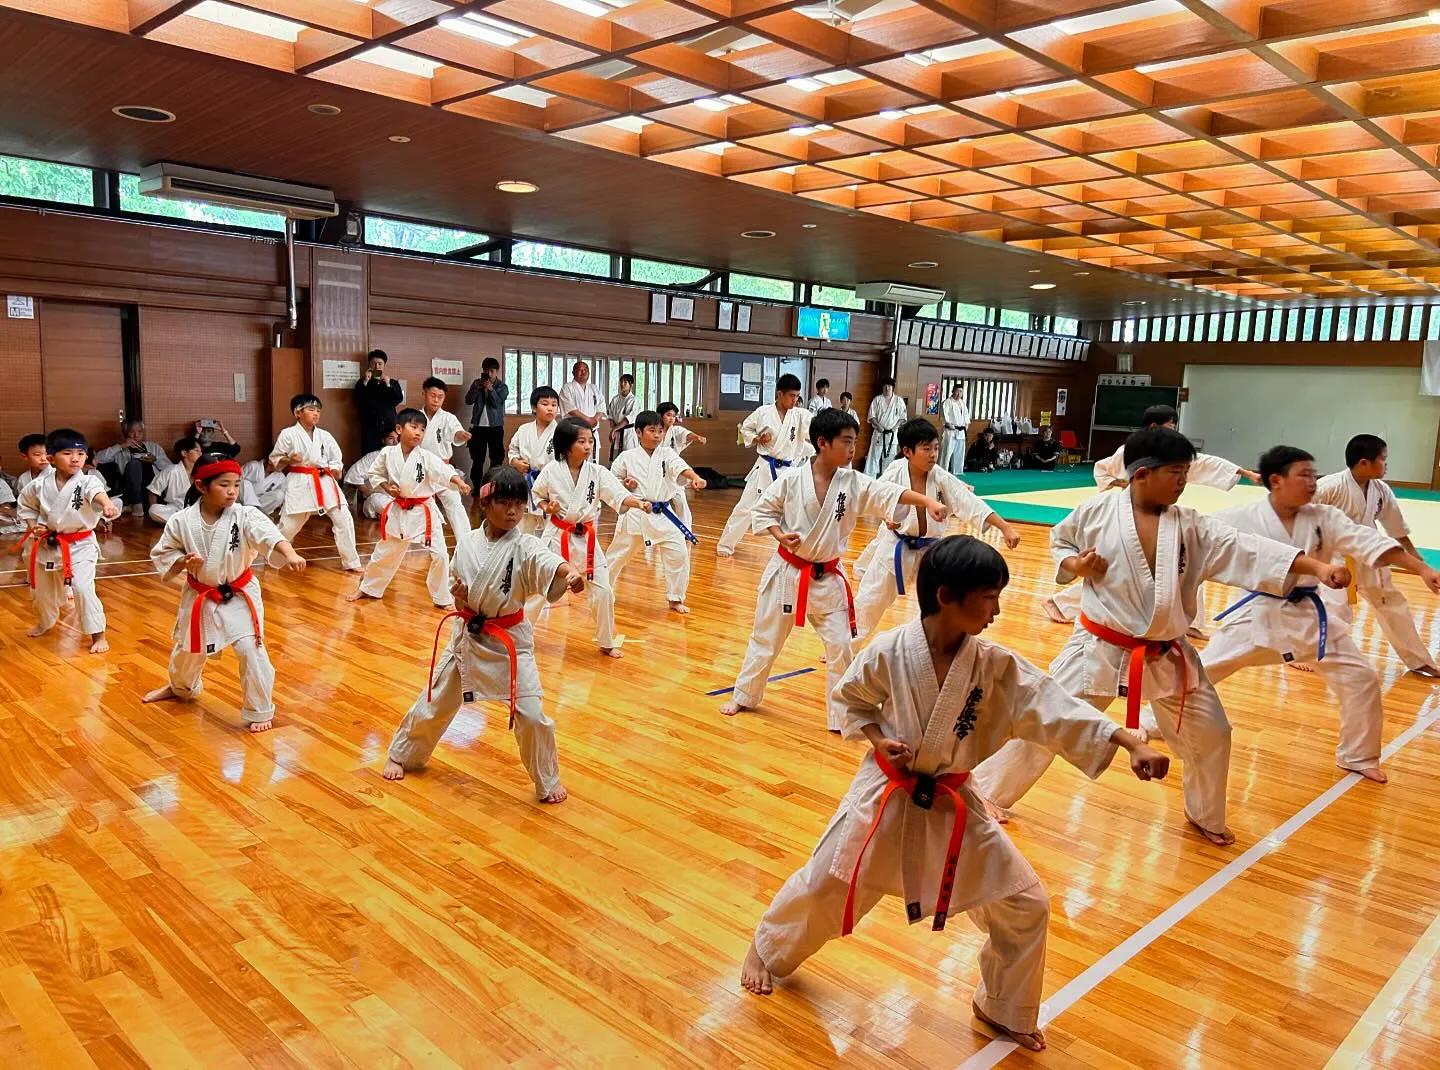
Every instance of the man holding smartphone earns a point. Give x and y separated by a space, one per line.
376 398
487 395
130 465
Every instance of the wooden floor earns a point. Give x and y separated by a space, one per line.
175 892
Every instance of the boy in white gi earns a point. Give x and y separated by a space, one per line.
532 447
810 512
263 489
623 409
60 509
821 398
780 433
311 460
413 477
678 437
442 434
491 653
933 699
955 420
1143 558
1261 630
370 503
891 558
36 458
1361 493
213 542
887 413
170 486
654 473
570 490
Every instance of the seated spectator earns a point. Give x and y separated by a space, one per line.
35 460
1045 452
168 488
209 433
357 480
130 465
983 455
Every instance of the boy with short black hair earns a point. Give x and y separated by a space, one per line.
847 402
169 487
313 464
678 437
532 447
442 434
36 460
821 398
780 434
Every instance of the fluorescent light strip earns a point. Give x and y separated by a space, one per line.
839 77
240 18
1103 20
403 62
1026 90
485 28
585 7
808 85
633 123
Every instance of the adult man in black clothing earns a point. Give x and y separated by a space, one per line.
376 398
487 420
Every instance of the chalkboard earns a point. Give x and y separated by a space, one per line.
1122 408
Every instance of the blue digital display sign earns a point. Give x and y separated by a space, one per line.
825 323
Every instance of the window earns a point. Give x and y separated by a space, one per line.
1127 333
660 273
1212 330
1359 323
534 254
656 381
417 237
1242 332
42 181
1292 324
1142 332
1307 331
989 399
1261 323
971 314
1397 321
1432 334
1010 317
1327 321
1228 328
836 297
1417 323
1066 326
1342 325
761 287
1184 334
132 200
1277 323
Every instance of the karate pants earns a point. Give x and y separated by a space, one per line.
1348 674
1392 613
161 513
419 733
883 450
387 557
1067 600
599 595
738 525
952 451
826 614
673 554
453 506
877 585
680 505
49 597
341 523
809 910
257 678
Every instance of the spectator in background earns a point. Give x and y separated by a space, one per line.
624 407
376 398
955 424
1045 452
130 465
209 433
487 395
580 399
847 402
983 455
821 400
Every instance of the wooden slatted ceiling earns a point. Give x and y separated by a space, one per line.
1257 148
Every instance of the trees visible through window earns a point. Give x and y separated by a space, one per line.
39 180
838 297
761 287
661 273
417 237
534 254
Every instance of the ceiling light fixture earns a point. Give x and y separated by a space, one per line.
923 265
808 85
486 28
585 7
757 234
892 114
1081 274
711 104
516 185
142 113
1042 286
400 139
1035 271
808 226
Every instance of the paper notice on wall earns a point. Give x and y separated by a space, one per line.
339 374
751 372
1062 398
1044 418
729 384
450 371
19 308
240 388
752 391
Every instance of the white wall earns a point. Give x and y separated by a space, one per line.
1242 410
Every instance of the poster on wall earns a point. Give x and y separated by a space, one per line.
1062 398
682 308
1044 418
752 392
932 397
339 374
725 315
452 372
729 384
657 308
772 372
751 372
742 318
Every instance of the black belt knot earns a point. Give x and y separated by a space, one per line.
924 794
817 571
226 592
52 540
476 624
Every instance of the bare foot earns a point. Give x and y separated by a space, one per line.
99 644
1223 838
1300 666
724 553
357 594
1033 1041
754 977
36 632
261 726
559 795
999 813
160 694
1374 773
393 770
612 652
679 607
1053 611
731 708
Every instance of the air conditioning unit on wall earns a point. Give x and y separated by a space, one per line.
898 293
184 183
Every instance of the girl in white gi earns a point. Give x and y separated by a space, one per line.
61 509
1205 471
887 413
891 558
1361 493
955 419
933 700
491 653
780 433
1143 558
413 477
532 447
169 487
678 437
810 512
623 409
1263 631
442 434
570 490
370 503
654 472
214 542
311 460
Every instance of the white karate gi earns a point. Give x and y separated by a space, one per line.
580 498
789 445
585 400
637 530
501 575
64 508
536 447
170 486
955 421
885 417
419 474
678 438
818 403
1189 548
989 696
440 432
878 587
625 407
229 546
1265 631
1376 502
824 529
264 490
9 525
319 450
371 503
24 478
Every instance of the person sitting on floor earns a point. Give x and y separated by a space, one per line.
983 455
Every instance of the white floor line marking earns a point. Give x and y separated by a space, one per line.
995 1051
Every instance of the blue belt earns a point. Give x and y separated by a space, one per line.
530 486
903 543
1295 597
775 464
663 508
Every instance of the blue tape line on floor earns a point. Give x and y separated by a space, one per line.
771 680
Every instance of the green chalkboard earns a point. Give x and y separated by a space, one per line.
1123 407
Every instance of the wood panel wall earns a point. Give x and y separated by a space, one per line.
84 369
23 411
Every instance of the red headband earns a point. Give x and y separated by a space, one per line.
215 468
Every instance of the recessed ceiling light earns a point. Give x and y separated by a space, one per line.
808 226
516 185
1035 271
400 139
1132 304
141 113
891 114
1042 286
322 109
923 265
1081 274
757 234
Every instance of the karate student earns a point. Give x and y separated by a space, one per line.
442 434
36 460
1263 631
809 512
533 447
933 699
780 433
10 522
654 473
891 558
678 437
491 653
1362 494
624 407
414 477
847 402
370 503
887 413
170 486
570 490
1142 559
955 419
213 542
263 489
1206 470
60 509
821 398
311 460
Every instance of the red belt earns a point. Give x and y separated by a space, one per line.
407 504
578 528
1140 651
499 627
921 789
221 593
315 474
56 539
815 570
